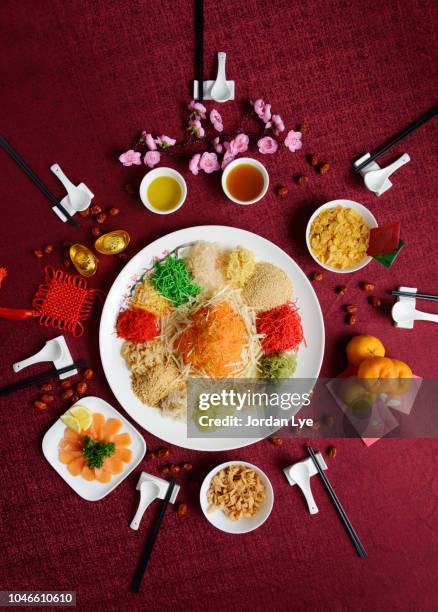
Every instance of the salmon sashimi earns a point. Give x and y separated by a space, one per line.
87 473
72 444
65 456
124 454
123 439
102 475
75 466
110 429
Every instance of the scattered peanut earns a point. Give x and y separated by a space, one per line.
48 249
316 277
175 469
164 469
96 231
313 159
74 399
187 467
84 213
276 441
81 388
375 301
181 509
331 452
101 218
301 180
40 405
47 398
95 210
88 374
163 452
323 168
113 211
341 289
38 253
47 387
282 191
351 319
366 286
350 308
68 393
66 384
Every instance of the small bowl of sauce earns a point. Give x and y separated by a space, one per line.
245 181
163 190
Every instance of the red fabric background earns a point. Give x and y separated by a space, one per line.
79 79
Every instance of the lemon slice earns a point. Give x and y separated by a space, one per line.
83 416
71 422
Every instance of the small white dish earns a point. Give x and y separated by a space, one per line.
252 162
94 490
219 519
152 175
369 219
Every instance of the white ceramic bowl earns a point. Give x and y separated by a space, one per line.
219 519
155 173
251 162
369 219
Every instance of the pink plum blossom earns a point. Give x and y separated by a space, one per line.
150 142
227 159
194 164
165 142
130 158
278 124
267 145
209 162
196 128
216 120
293 141
198 109
239 144
152 158
217 145
262 110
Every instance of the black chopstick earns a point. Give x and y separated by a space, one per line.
153 533
199 45
344 518
40 378
400 136
31 174
421 296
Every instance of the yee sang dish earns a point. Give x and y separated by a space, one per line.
214 312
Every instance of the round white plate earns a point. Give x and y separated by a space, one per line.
116 371
220 520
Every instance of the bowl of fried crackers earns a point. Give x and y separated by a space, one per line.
236 497
338 234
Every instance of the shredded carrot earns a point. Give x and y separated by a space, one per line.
214 341
281 328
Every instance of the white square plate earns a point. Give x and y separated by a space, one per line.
94 490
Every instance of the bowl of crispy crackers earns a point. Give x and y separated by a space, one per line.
338 234
236 497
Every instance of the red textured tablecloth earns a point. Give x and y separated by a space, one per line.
79 80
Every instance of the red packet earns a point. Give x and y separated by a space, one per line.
384 239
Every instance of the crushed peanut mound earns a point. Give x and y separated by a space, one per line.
238 491
339 237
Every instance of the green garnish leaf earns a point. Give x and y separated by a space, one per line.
96 451
172 279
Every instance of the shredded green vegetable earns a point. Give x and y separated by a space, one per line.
278 365
172 279
96 451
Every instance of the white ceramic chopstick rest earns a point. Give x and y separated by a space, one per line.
219 90
300 474
376 179
78 197
404 313
151 488
55 350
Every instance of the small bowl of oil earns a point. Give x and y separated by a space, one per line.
163 191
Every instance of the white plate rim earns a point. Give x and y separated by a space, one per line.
155 248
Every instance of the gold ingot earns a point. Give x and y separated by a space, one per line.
84 260
112 243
